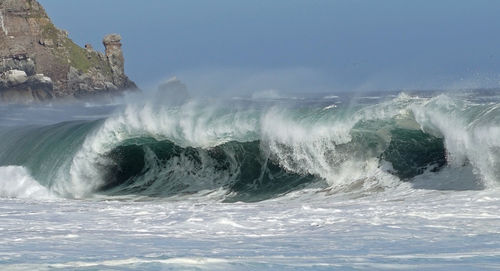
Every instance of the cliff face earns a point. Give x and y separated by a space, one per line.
39 62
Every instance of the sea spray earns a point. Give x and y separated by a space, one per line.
16 182
195 146
471 133
259 149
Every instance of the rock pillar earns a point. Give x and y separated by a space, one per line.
114 54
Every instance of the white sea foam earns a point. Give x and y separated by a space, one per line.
423 224
332 106
309 145
471 133
16 182
331 97
187 125
300 143
403 228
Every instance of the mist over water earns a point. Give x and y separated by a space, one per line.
310 135
232 183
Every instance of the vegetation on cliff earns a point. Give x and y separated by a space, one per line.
31 43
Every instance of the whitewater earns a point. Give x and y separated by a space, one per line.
387 181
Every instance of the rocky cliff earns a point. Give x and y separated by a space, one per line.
39 62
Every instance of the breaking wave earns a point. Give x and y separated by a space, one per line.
252 152
15 182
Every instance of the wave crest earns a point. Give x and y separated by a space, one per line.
340 147
252 149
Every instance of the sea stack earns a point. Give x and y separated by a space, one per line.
172 92
114 55
40 62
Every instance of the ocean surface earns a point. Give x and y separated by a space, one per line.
372 181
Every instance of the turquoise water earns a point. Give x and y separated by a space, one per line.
388 182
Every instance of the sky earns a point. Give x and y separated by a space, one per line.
236 46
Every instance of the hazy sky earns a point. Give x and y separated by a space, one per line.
290 45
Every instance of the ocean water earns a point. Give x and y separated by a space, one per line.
386 181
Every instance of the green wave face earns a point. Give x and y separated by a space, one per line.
46 151
148 167
412 152
153 168
247 170
258 153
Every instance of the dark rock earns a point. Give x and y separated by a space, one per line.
114 55
17 62
30 43
17 87
172 92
